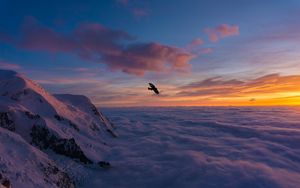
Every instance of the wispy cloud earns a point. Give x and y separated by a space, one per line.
206 50
265 88
135 10
222 31
195 43
8 65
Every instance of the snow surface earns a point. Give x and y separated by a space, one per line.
203 147
23 164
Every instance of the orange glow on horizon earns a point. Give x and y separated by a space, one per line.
270 90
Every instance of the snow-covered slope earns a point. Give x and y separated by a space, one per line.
41 134
25 166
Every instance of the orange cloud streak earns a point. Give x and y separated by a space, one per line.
271 89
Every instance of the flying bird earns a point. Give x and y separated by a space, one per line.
153 88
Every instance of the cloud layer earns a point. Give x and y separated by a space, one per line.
96 43
213 147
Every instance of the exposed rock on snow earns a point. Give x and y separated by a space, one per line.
85 105
104 164
32 116
52 172
69 122
6 121
42 137
26 166
4 182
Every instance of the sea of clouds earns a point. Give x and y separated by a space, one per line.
203 147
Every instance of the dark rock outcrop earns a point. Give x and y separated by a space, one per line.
41 137
104 164
94 127
69 122
104 120
31 115
68 147
58 117
112 133
60 178
5 181
73 125
6 121
18 95
44 139
94 110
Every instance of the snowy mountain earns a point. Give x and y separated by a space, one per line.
44 137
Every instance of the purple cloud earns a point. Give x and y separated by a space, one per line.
138 12
94 42
222 31
195 43
37 37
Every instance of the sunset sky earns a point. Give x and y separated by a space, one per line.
198 52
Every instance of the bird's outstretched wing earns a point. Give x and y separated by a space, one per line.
152 85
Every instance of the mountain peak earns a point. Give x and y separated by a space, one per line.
54 127
5 74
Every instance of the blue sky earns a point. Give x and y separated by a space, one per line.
155 42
